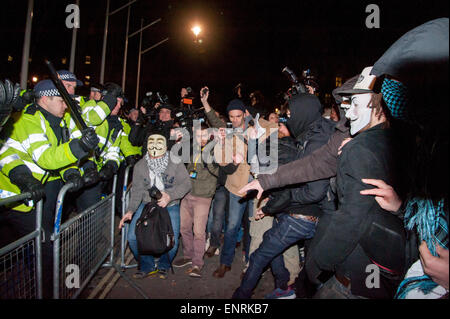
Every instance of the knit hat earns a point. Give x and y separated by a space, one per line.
236 104
69 76
46 88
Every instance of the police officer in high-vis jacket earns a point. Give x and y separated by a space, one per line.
38 141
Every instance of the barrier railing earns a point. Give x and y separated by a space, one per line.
81 245
124 235
21 261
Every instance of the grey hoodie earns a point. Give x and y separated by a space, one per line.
176 181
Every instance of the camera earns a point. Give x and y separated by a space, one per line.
154 193
296 86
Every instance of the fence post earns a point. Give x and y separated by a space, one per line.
38 242
56 238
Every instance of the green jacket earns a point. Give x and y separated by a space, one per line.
204 185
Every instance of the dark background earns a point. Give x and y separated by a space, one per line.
243 41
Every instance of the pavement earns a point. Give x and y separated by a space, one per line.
179 285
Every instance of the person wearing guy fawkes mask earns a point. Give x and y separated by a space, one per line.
360 233
156 169
291 224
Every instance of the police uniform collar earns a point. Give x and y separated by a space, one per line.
49 116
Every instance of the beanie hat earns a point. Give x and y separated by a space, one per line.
236 104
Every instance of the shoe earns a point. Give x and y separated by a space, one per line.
281 294
217 253
163 273
142 274
211 251
195 272
220 272
181 262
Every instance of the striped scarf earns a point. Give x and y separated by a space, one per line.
431 224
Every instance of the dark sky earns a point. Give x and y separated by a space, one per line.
243 41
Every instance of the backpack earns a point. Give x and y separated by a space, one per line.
154 233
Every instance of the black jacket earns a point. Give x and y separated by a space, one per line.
347 244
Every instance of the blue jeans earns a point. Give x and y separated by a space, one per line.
147 262
285 232
236 210
219 205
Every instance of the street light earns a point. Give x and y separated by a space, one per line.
196 30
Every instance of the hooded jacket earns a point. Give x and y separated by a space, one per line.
311 131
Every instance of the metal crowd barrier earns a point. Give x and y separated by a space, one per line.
21 261
124 234
82 244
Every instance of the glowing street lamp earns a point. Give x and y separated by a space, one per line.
196 30
34 79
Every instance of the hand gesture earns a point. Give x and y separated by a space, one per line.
251 186
385 195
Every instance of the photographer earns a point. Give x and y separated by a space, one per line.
161 114
156 169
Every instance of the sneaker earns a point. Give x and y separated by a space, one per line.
217 253
195 272
143 274
181 262
281 294
163 273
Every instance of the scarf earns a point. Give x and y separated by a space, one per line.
395 96
431 224
157 166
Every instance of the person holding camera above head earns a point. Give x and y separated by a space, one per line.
156 169
159 114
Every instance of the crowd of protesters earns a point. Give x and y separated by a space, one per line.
351 201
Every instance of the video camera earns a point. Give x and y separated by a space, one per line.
299 86
148 102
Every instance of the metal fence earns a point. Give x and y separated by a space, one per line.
82 244
124 235
21 261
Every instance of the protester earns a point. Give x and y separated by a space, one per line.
156 169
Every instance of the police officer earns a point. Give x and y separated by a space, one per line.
40 142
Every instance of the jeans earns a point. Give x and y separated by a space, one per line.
147 262
284 233
236 210
218 215
333 289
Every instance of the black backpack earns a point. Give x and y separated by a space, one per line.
154 233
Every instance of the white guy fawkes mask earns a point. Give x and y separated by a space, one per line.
358 112
156 145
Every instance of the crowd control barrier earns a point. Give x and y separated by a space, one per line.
21 260
124 234
82 244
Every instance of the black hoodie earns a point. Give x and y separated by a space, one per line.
305 109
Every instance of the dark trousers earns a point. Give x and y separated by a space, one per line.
285 232
220 202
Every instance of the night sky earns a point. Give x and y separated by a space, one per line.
243 41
